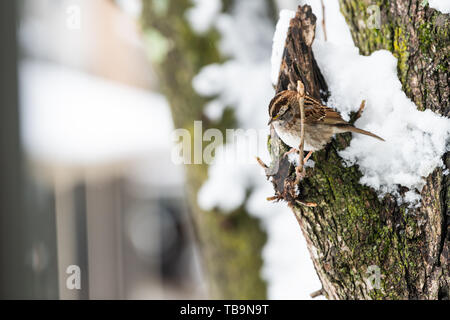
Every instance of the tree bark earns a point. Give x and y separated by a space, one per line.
352 234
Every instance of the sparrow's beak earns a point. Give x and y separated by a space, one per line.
270 121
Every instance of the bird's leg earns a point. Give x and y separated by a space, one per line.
293 150
300 169
305 160
300 173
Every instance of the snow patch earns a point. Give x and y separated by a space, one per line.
415 140
202 15
279 40
229 82
295 160
131 7
441 5
228 181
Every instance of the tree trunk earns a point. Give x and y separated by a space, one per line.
351 234
230 244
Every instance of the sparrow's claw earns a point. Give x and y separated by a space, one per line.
305 160
300 171
293 150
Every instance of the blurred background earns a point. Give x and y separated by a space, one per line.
95 140
91 91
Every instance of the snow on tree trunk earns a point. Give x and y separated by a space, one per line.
364 247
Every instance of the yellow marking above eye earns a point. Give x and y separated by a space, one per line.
282 110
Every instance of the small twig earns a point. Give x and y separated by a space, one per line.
293 150
261 163
301 101
361 109
307 157
273 198
307 204
317 293
324 27
357 115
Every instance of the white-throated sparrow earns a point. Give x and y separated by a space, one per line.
321 122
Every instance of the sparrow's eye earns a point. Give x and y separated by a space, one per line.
282 110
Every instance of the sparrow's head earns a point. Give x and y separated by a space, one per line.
280 104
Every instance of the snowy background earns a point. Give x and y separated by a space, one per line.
96 135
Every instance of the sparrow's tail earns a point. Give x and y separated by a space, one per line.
357 130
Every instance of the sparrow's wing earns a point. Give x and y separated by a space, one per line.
315 112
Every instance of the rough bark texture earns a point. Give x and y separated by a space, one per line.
351 229
230 244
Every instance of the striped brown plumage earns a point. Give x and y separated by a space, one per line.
321 122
